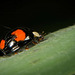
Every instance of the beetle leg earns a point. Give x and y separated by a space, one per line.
15 53
40 39
26 48
34 42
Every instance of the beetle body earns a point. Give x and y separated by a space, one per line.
16 39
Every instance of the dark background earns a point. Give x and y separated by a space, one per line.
40 16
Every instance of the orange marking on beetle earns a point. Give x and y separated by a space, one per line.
2 44
20 35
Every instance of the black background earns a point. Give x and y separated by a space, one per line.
38 15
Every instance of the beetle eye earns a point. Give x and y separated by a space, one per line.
11 43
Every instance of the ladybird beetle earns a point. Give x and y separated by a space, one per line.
16 39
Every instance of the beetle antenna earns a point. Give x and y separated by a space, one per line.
43 33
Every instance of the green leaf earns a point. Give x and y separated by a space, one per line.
54 56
